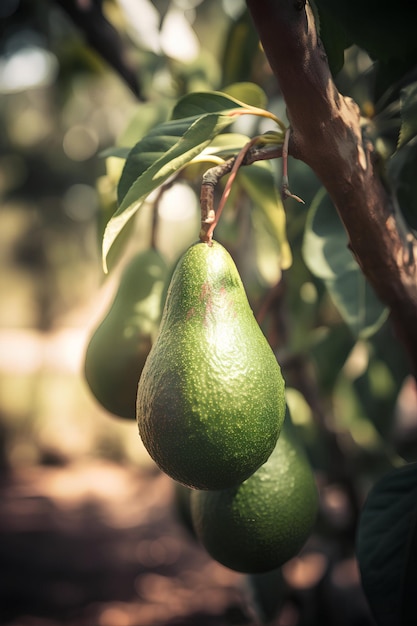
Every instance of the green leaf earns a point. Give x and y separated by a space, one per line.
145 117
202 102
115 151
387 547
408 101
159 155
196 120
249 93
326 254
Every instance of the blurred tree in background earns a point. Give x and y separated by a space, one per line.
81 82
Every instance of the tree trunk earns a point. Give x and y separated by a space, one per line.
326 135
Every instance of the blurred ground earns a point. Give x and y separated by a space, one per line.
90 532
97 543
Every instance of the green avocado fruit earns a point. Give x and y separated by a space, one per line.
211 399
262 523
119 346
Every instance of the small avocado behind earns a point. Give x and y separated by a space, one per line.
262 523
210 401
119 346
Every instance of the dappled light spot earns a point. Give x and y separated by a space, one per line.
305 571
336 506
178 39
114 615
28 67
80 143
80 202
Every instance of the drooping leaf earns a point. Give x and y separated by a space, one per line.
325 251
387 547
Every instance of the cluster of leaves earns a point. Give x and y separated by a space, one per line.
200 132
195 133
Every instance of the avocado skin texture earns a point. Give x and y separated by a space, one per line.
264 522
210 401
119 346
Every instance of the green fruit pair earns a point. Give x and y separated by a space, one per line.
262 523
118 348
210 401
210 404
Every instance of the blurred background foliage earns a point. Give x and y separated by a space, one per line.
61 103
77 78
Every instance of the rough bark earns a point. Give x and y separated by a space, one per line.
326 135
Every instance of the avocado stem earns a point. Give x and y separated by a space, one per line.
248 154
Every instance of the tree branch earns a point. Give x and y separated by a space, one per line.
326 135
